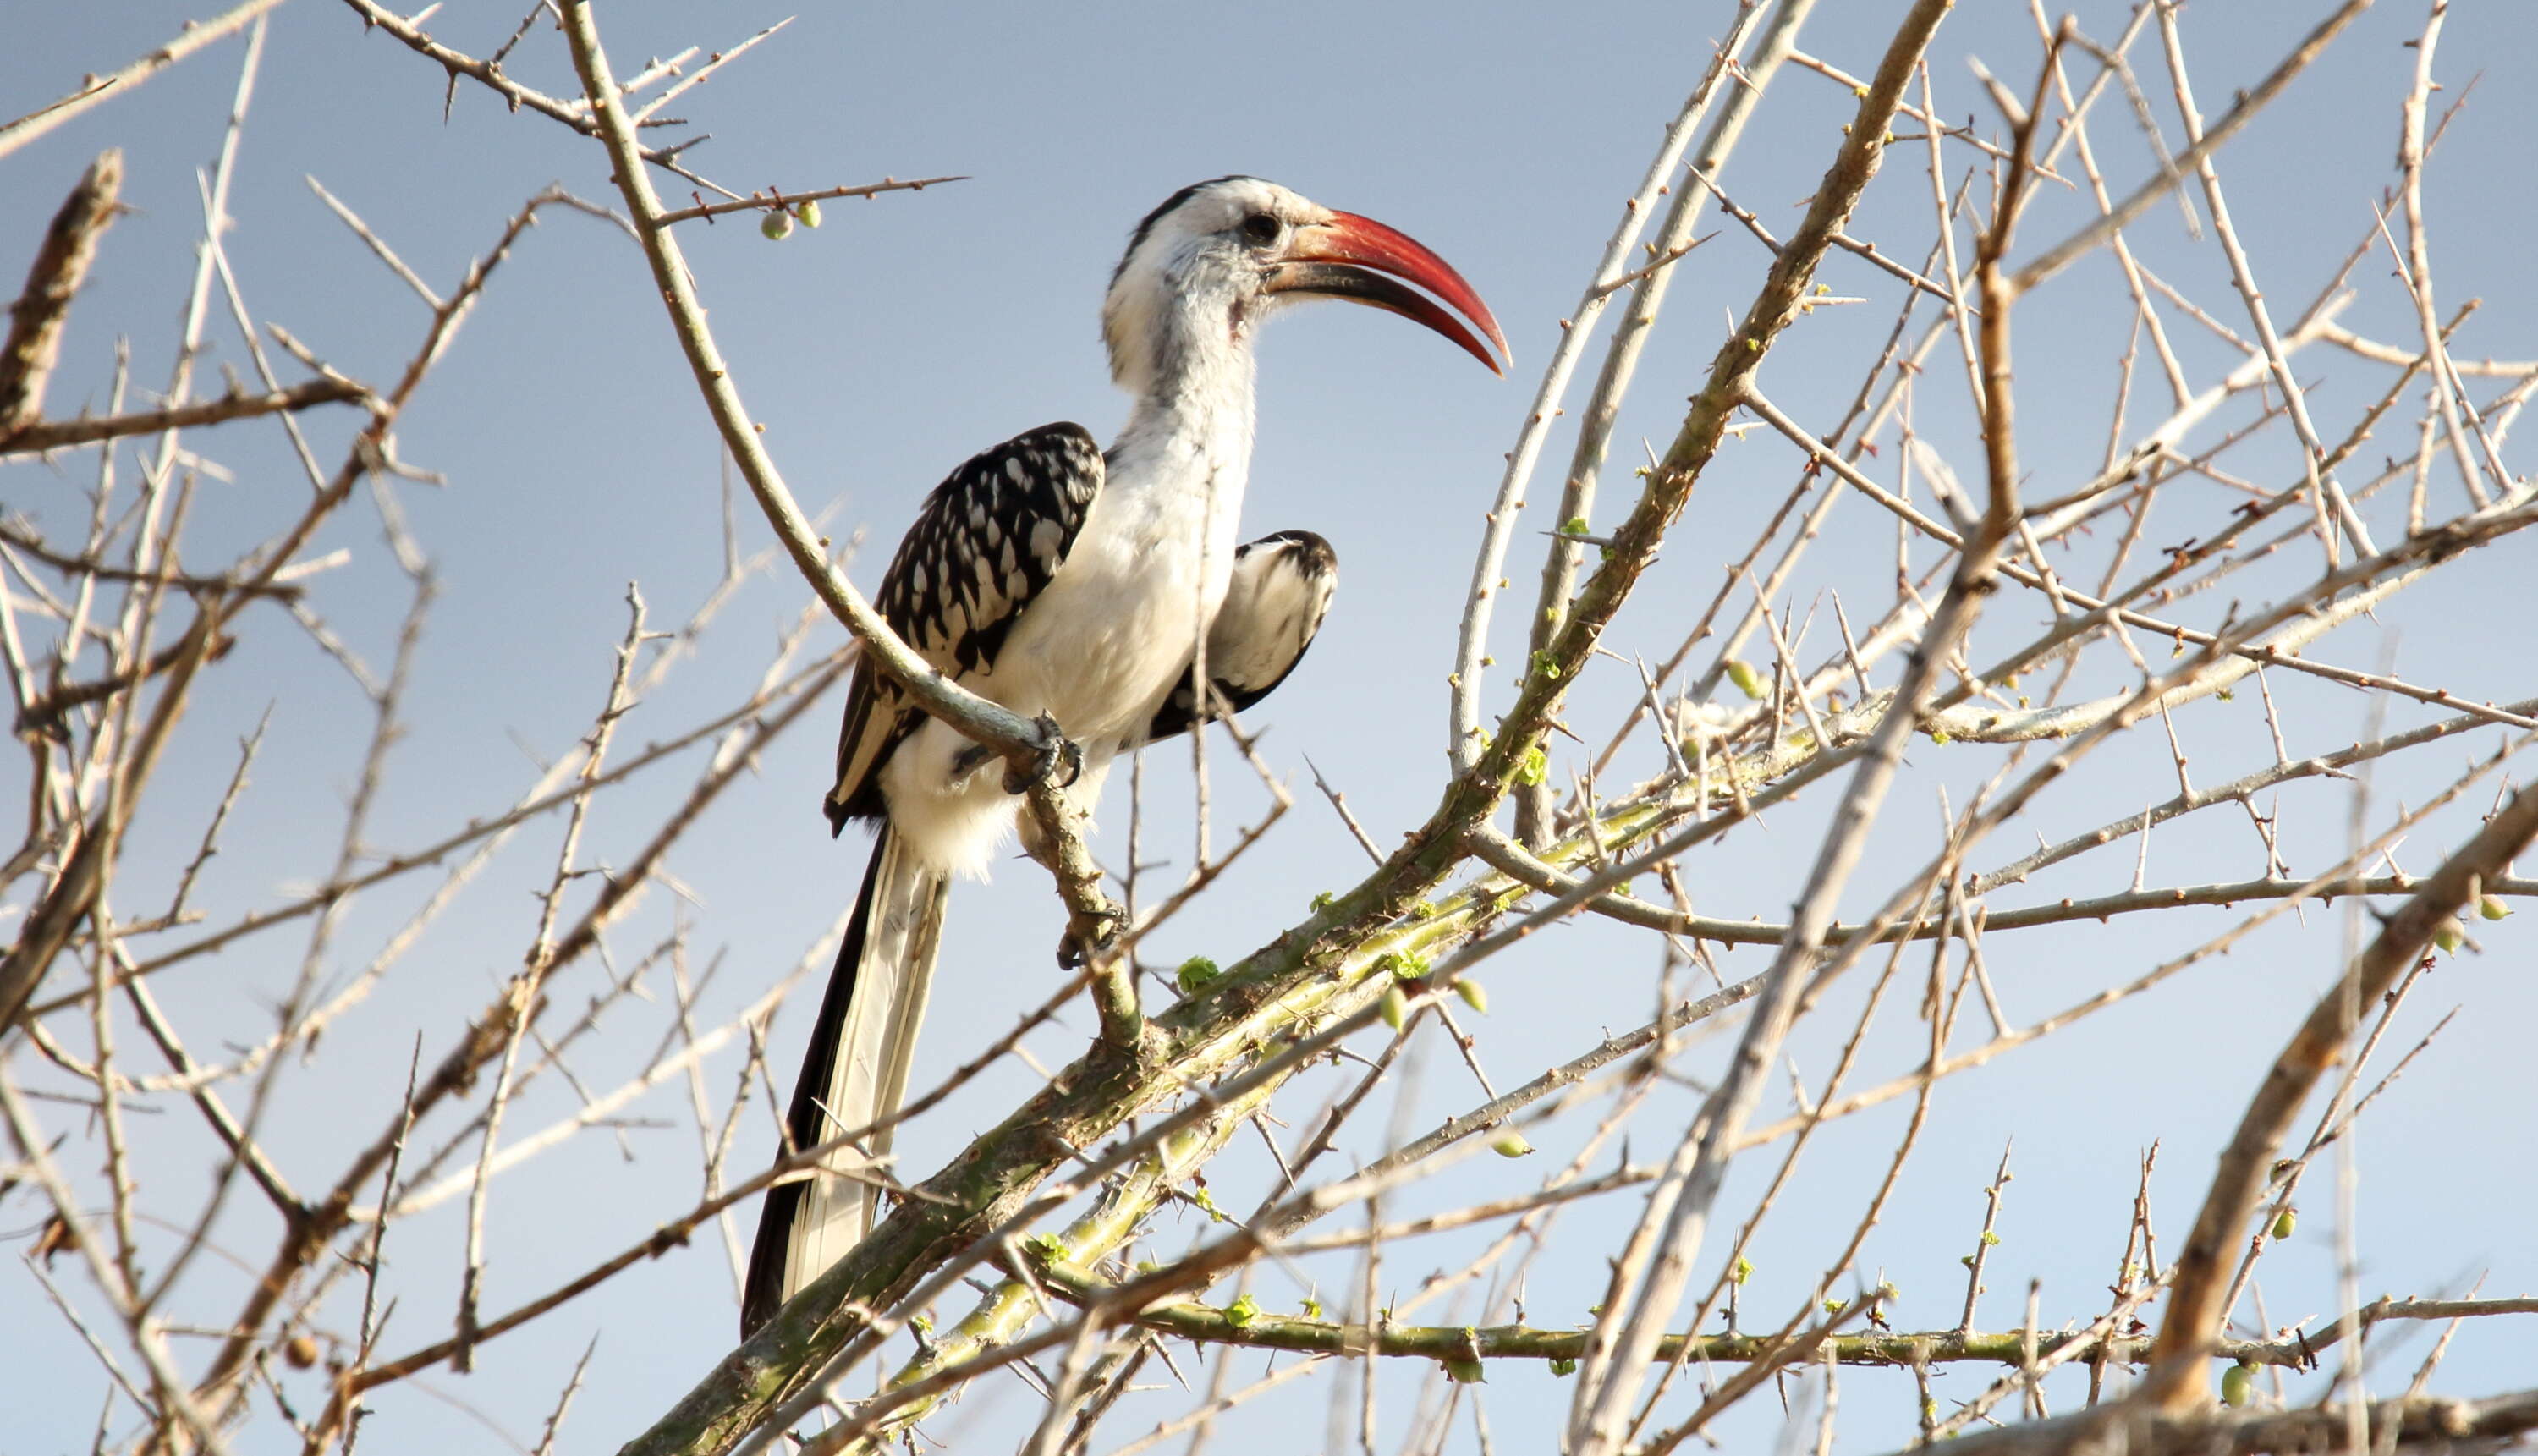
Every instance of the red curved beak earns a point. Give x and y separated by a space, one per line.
1347 258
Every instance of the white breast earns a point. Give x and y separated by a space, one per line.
1101 646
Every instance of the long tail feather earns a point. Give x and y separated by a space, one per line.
855 1075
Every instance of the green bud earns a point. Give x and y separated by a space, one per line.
1464 1371
1312 1307
1242 1312
2285 1221
1575 525
2237 1384
2449 936
1321 903
1196 975
1535 767
1990 1239
778 225
1564 1367
809 213
1511 1143
1744 1269
1395 1007
1401 965
2491 908
1747 680
1472 994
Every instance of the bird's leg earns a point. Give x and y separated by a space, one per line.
1094 919
1057 759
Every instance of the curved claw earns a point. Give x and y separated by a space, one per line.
1073 953
1059 760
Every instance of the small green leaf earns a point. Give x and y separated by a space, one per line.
1196 975
1990 1239
1242 1312
1401 965
1564 1367
1744 1269
1545 665
1575 525
1312 1307
1536 767
1321 902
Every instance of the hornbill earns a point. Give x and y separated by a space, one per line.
1058 578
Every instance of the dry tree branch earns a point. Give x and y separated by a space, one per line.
97 89
490 74
2406 1424
39 435
43 309
779 200
2177 1382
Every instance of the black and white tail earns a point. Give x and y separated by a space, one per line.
856 1074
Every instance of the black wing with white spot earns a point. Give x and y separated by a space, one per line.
985 542
1281 590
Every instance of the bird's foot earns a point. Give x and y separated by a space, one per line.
1072 952
1059 760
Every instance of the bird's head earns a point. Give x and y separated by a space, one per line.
1205 269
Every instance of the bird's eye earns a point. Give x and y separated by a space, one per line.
1263 229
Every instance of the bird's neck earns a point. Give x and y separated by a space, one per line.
1191 425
